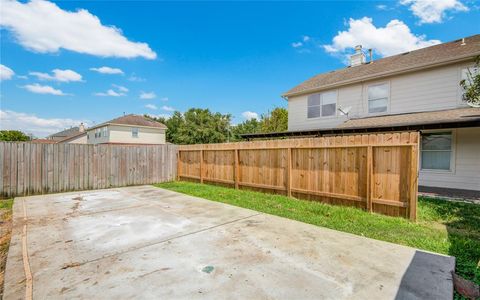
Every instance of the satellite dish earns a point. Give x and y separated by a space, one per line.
345 110
476 105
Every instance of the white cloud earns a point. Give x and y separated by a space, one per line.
110 93
168 108
381 7
433 11
394 38
297 44
135 78
249 115
120 88
30 123
151 106
164 99
42 26
145 95
43 89
5 73
58 75
306 38
107 70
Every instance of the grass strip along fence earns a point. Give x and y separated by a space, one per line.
375 172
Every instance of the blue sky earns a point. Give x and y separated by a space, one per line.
231 57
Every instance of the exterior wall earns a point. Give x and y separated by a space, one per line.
99 140
465 173
433 89
123 134
79 140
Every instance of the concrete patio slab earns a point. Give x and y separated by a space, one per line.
144 242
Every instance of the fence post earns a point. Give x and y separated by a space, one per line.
412 205
201 166
236 170
369 178
289 172
178 165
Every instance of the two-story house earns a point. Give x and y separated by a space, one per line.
128 129
416 90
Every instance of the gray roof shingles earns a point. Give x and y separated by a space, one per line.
424 58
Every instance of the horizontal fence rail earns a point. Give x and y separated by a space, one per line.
376 172
33 168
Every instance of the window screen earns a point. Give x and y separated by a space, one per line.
378 98
436 150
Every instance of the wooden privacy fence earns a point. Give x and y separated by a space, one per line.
30 168
377 172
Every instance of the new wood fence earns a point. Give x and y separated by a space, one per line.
377 172
29 168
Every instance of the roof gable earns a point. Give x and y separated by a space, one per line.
132 120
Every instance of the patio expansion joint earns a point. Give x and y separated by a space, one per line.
77 264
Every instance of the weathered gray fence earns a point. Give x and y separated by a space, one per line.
30 168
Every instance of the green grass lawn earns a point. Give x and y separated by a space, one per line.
451 228
5 231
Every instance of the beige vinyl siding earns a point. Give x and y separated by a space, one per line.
465 173
99 140
123 134
79 140
297 110
433 89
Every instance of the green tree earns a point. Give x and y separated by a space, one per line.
247 126
197 126
275 121
13 136
471 84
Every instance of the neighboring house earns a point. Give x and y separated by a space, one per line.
416 90
129 129
65 133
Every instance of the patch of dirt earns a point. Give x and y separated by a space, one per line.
5 234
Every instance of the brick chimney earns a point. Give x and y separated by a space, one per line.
81 128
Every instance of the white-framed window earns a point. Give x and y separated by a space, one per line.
135 132
322 105
105 131
437 150
98 132
378 96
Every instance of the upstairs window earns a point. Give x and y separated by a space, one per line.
105 131
378 98
436 151
135 132
324 105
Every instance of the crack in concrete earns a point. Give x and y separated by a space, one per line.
77 264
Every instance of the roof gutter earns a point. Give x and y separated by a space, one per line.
383 74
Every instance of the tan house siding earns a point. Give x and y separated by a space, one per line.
433 89
78 140
123 134
465 173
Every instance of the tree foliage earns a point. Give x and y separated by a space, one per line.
201 126
471 85
197 126
275 121
13 136
247 126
